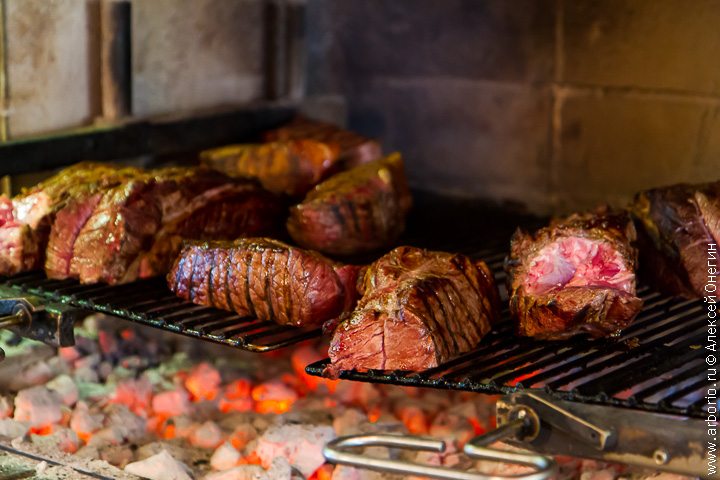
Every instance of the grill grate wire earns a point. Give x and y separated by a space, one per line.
657 364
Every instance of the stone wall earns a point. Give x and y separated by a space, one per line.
555 104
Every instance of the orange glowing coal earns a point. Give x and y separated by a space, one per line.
273 397
325 472
203 382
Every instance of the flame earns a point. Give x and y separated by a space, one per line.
477 426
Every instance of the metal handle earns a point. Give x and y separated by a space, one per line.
544 467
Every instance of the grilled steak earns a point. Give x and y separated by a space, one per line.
576 275
418 310
289 167
356 211
26 219
266 279
675 226
136 228
354 149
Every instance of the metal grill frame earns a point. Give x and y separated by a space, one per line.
150 302
627 371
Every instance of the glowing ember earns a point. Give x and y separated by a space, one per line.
139 404
203 382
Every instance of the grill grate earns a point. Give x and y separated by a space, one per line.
150 302
657 363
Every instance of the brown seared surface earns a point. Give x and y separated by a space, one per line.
264 278
419 309
676 224
37 207
356 211
567 310
290 167
354 149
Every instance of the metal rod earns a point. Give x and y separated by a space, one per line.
335 452
38 458
115 59
17 318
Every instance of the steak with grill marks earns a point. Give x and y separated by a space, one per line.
25 220
576 275
136 228
675 226
419 309
354 149
356 211
264 278
289 167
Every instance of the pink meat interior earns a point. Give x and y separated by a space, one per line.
578 262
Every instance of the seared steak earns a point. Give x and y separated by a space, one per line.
289 167
26 219
418 310
359 210
354 149
675 226
135 229
576 275
266 279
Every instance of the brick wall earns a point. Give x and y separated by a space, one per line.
556 104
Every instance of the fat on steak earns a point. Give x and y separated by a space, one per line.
675 225
575 275
25 220
266 279
419 309
354 149
290 167
356 211
136 229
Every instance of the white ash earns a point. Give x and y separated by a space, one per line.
129 395
161 466
301 445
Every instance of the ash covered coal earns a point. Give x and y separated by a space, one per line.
133 402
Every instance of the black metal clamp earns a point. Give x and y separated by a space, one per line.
36 318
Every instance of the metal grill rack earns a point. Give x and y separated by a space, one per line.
149 302
656 364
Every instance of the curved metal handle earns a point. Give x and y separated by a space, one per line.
335 452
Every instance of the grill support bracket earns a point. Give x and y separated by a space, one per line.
671 443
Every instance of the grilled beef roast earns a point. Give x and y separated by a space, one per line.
289 167
356 211
675 226
266 279
134 230
354 149
25 220
419 309
576 275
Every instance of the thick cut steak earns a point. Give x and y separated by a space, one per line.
353 149
289 167
135 229
675 226
356 211
25 220
419 309
266 279
576 275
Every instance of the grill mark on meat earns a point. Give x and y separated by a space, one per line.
287 276
249 259
268 288
353 215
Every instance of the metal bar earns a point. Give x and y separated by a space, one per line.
164 135
116 59
49 461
